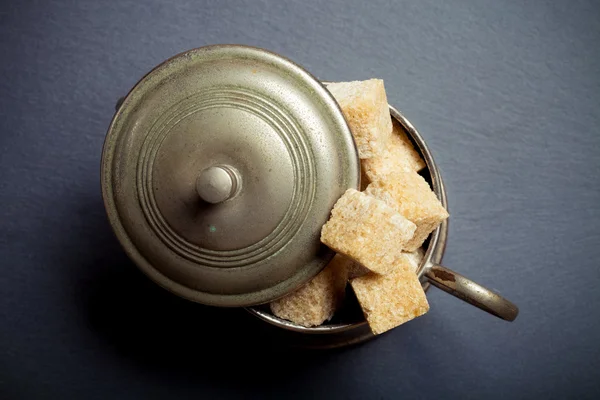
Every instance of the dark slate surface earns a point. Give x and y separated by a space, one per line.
507 94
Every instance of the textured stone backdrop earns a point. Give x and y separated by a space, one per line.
507 94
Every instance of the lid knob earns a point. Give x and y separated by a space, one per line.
217 184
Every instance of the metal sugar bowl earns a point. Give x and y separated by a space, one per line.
219 169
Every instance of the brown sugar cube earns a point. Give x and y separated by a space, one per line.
368 231
356 270
390 300
413 259
409 194
365 107
400 155
315 302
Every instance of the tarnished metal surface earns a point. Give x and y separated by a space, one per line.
218 186
471 292
219 169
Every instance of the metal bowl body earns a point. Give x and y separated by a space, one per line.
344 333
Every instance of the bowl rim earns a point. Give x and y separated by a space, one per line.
433 255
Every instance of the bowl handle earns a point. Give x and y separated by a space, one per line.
471 292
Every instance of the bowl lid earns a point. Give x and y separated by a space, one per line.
219 169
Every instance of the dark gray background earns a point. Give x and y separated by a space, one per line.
506 94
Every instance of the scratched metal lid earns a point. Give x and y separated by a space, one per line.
219 169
